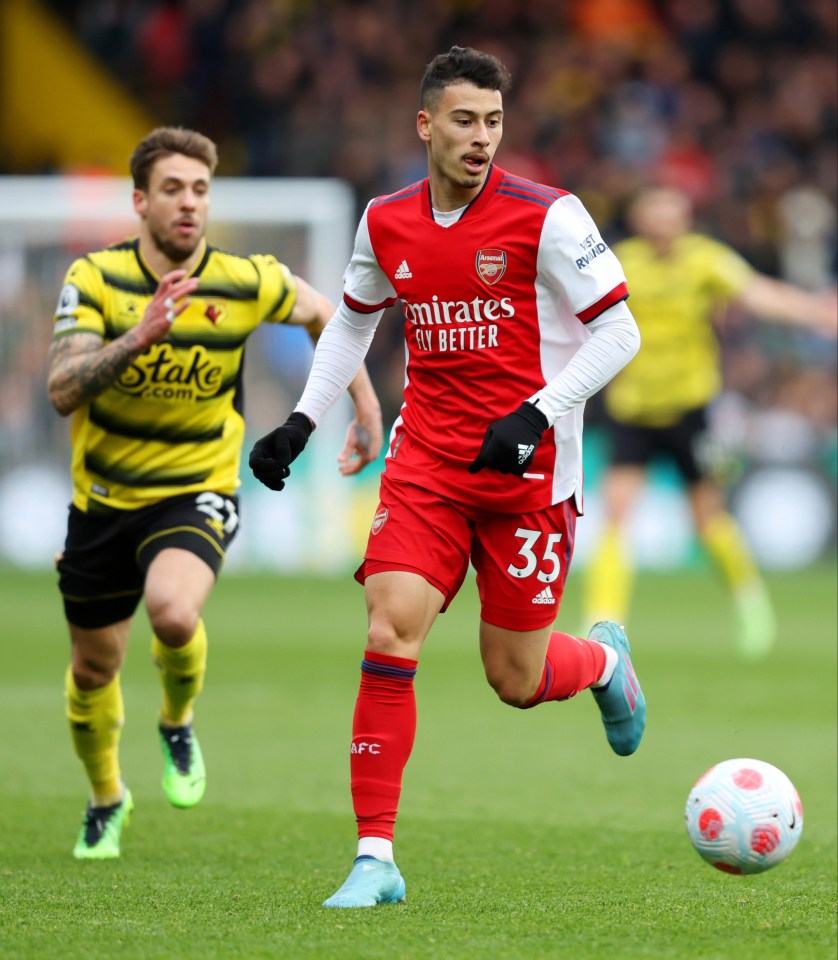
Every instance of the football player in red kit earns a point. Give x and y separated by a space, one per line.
514 314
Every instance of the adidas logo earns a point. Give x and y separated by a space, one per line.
524 451
546 596
403 272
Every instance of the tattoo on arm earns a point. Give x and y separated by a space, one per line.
81 368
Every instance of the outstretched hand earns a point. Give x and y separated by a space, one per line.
271 456
510 443
168 303
825 318
363 445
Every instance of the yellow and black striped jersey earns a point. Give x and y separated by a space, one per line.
172 423
673 300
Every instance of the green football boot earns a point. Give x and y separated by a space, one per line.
184 775
102 829
757 632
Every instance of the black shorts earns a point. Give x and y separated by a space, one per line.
688 443
107 552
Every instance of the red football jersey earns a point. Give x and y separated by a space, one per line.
495 305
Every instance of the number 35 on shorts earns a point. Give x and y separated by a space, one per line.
537 555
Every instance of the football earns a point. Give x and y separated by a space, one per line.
744 816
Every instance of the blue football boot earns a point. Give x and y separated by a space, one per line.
621 701
371 882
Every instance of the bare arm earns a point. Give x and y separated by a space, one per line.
365 436
771 299
81 366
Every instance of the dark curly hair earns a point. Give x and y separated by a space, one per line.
462 65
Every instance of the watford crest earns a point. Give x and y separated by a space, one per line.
214 313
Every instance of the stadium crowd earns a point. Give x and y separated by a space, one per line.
735 102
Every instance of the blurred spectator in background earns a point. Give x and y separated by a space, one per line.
680 282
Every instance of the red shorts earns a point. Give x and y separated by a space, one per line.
521 559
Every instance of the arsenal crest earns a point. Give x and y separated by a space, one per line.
379 519
491 265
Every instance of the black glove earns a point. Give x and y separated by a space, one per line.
271 455
510 443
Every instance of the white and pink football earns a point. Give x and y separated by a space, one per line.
744 816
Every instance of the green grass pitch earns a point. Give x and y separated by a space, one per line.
520 834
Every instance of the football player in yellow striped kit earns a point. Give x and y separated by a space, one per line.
147 356
681 282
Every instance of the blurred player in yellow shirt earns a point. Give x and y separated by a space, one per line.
680 281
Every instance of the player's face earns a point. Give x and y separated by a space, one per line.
174 208
661 216
462 132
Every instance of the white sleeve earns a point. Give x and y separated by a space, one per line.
340 351
365 285
347 336
614 340
575 261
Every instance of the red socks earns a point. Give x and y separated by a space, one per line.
383 731
384 723
572 664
